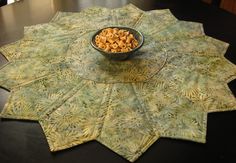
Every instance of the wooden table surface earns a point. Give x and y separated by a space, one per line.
24 141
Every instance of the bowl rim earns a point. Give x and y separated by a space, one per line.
119 27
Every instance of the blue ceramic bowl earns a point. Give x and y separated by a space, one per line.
119 55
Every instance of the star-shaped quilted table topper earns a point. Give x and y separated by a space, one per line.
166 90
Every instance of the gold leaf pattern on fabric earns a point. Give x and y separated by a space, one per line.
37 96
179 30
155 21
169 113
166 89
128 15
79 118
90 64
126 129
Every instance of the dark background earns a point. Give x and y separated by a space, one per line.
24 141
3 2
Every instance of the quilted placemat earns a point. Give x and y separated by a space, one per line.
165 90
